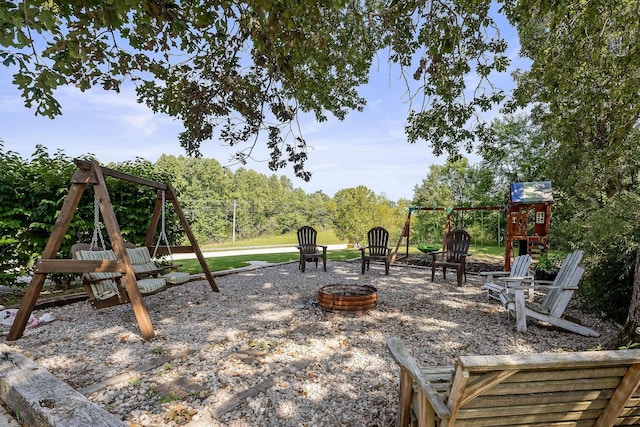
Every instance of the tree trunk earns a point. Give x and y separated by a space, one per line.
631 332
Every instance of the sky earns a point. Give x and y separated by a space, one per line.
366 148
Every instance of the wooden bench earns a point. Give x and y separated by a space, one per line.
591 388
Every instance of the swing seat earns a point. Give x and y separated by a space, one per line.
105 288
143 266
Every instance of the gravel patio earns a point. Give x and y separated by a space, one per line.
262 352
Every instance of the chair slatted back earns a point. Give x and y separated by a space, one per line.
569 274
378 238
307 237
543 388
456 243
520 267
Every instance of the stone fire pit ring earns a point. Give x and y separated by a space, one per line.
347 298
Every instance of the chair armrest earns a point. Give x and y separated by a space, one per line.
571 287
526 287
494 273
490 276
527 279
300 247
402 357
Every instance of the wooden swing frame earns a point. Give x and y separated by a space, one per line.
406 230
90 172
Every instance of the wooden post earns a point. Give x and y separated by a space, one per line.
404 233
192 239
79 182
507 255
404 404
117 244
155 220
620 397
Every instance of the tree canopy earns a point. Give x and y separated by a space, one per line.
232 70
583 88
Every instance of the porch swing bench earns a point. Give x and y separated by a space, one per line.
144 267
105 288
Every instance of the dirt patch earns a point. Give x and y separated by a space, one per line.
472 266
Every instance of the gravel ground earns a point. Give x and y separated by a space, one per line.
261 351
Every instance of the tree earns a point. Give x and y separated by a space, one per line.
32 194
232 70
358 210
203 187
517 151
583 86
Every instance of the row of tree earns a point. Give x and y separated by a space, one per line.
220 205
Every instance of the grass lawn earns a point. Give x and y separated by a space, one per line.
494 253
230 262
324 238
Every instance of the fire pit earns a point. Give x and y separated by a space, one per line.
351 298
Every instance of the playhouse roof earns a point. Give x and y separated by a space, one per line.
531 192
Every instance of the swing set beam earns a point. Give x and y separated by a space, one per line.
92 173
407 225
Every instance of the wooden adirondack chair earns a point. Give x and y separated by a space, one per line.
309 250
520 268
456 247
554 303
377 250
588 388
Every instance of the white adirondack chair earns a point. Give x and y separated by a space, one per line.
554 303
520 268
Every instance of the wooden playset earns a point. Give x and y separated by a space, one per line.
528 218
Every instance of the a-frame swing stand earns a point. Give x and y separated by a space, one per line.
93 173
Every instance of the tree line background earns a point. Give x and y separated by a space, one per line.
595 206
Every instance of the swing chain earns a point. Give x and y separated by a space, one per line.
97 233
163 233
